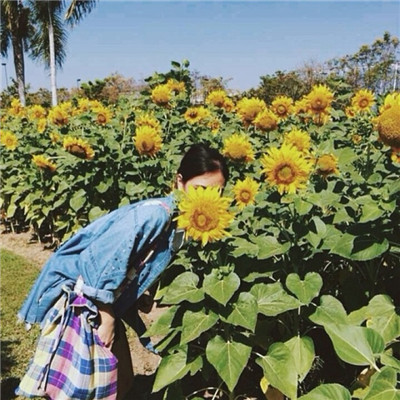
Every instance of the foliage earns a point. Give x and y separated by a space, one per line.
301 299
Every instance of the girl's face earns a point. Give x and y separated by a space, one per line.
214 178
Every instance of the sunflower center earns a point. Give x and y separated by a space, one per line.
281 109
101 119
285 174
245 196
363 103
204 222
78 150
147 146
319 104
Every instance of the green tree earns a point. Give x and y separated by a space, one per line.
15 32
49 41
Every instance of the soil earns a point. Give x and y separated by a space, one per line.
27 245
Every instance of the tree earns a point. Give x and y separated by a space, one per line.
15 31
49 41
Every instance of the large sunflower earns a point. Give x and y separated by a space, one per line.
286 168
103 115
248 109
147 140
17 109
59 116
204 214
282 106
392 99
363 100
78 147
319 99
238 148
147 119
216 98
176 86
388 125
266 121
43 163
299 139
8 140
245 192
161 95
37 111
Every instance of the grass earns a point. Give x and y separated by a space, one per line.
17 344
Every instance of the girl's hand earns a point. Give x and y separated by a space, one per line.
106 329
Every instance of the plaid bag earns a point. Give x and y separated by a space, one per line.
70 360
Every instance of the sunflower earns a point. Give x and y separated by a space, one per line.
327 165
238 148
41 125
17 109
84 105
78 147
58 116
245 192
395 156
196 114
356 139
301 106
37 112
266 121
43 163
147 119
229 105
299 139
363 100
248 109
8 140
147 140
319 99
204 214
350 112
54 137
176 86
388 125
103 115
286 168
282 106
216 98
161 95
214 125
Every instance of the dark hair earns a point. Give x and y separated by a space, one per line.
200 159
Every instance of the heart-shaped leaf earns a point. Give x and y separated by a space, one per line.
305 290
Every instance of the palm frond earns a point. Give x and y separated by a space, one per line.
78 9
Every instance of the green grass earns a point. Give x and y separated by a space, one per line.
17 344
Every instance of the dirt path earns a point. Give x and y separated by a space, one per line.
22 244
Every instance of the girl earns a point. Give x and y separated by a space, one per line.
97 276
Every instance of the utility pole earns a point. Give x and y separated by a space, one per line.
5 72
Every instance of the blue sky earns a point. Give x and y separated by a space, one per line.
242 40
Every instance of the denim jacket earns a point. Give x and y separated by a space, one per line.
100 252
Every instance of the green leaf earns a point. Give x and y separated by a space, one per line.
194 323
341 245
171 368
329 391
269 246
244 312
279 369
355 345
383 385
102 187
305 290
367 248
272 299
228 358
162 325
370 212
184 287
330 311
78 200
96 212
302 349
302 207
244 247
390 361
221 286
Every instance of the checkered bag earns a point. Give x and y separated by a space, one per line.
70 360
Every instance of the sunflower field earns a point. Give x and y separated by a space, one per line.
288 288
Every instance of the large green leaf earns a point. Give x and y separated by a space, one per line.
272 299
383 385
194 323
269 246
184 287
355 345
279 369
162 325
244 312
78 200
329 391
367 248
330 311
96 212
370 212
228 358
302 349
305 290
221 286
244 247
171 368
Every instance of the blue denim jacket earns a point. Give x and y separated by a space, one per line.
100 254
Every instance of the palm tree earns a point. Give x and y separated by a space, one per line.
15 31
49 41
